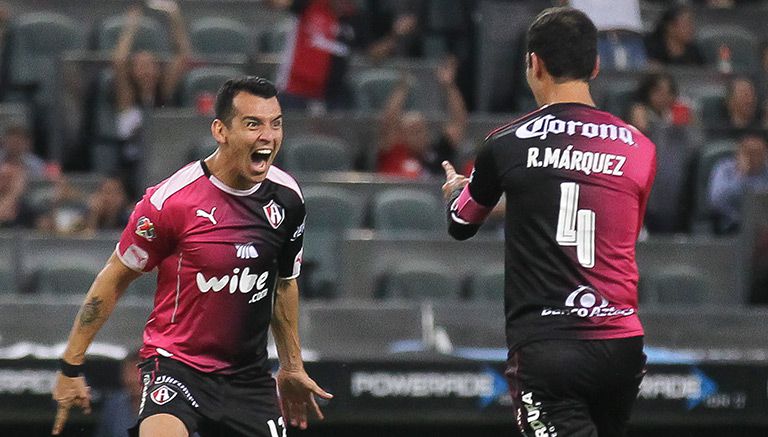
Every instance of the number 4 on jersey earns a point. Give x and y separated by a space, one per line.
576 227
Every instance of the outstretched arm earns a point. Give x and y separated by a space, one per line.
392 112
295 387
121 59
182 46
457 111
109 285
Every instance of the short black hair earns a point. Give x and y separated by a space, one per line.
650 81
258 86
566 40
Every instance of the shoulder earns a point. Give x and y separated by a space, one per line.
285 182
162 193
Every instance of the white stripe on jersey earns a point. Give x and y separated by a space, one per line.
175 183
282 178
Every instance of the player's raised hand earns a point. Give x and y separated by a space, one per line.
453 180
297 394
68 393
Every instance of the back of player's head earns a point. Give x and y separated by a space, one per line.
258 86
565 39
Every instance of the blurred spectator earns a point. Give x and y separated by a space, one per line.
673 40
121 406
13 184
406 146
327 31
63 211
108 207
734 177
139 80
659 116
653 102
741 106
16 148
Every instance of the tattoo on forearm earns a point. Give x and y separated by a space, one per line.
91 311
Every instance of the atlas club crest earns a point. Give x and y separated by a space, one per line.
275 214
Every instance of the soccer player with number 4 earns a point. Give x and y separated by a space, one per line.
576 181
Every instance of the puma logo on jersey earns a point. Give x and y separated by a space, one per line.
208 215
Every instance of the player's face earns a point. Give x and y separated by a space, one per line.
254 136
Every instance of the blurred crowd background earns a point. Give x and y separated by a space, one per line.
372 90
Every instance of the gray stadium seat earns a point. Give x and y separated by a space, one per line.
273 40
407 210
65 277
419 280
151 35
710 105
331 208
7 280
330 211
677 285
316 153
212 36
145 285
707 160
488 284
742 44
38 40
373 87
618 97
205 79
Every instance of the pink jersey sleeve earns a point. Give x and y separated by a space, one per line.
147 238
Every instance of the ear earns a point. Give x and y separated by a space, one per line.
219 131
537 65
596 70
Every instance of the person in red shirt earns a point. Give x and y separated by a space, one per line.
406 146
318 51
226 236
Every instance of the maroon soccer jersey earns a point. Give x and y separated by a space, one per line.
576 181
218 252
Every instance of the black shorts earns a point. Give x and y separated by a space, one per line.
211 405
575 388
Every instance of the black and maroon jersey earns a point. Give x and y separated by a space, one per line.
218 252
576 181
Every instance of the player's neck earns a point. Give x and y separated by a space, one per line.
567 92
227 174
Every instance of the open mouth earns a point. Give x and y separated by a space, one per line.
260 160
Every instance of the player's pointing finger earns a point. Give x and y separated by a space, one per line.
449 170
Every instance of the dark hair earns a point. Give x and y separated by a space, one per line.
651 81
669 15
566 40
258 86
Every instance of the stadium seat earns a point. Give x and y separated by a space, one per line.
488 284
618 97
706 162
145 285
742 43
38 40
151 35
316 153
7 280
373 87
710 105
420 280
205 80
64 277
273 40
332 209
401 209
213 36
677 285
